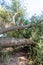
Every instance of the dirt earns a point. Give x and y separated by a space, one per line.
18 58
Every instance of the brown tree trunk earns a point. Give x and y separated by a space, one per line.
4 30
7 42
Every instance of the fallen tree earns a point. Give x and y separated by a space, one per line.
4 30
7 42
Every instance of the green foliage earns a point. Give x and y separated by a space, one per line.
37 36
4 15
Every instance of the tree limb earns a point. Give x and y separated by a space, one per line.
4 30
7 42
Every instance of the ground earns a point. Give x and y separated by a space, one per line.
17 58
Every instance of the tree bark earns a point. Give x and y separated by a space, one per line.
4 30
7 42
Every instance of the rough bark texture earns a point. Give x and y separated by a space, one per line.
4 30
7 42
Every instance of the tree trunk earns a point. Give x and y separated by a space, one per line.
4 30
7 42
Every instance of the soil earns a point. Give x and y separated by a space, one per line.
18 58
